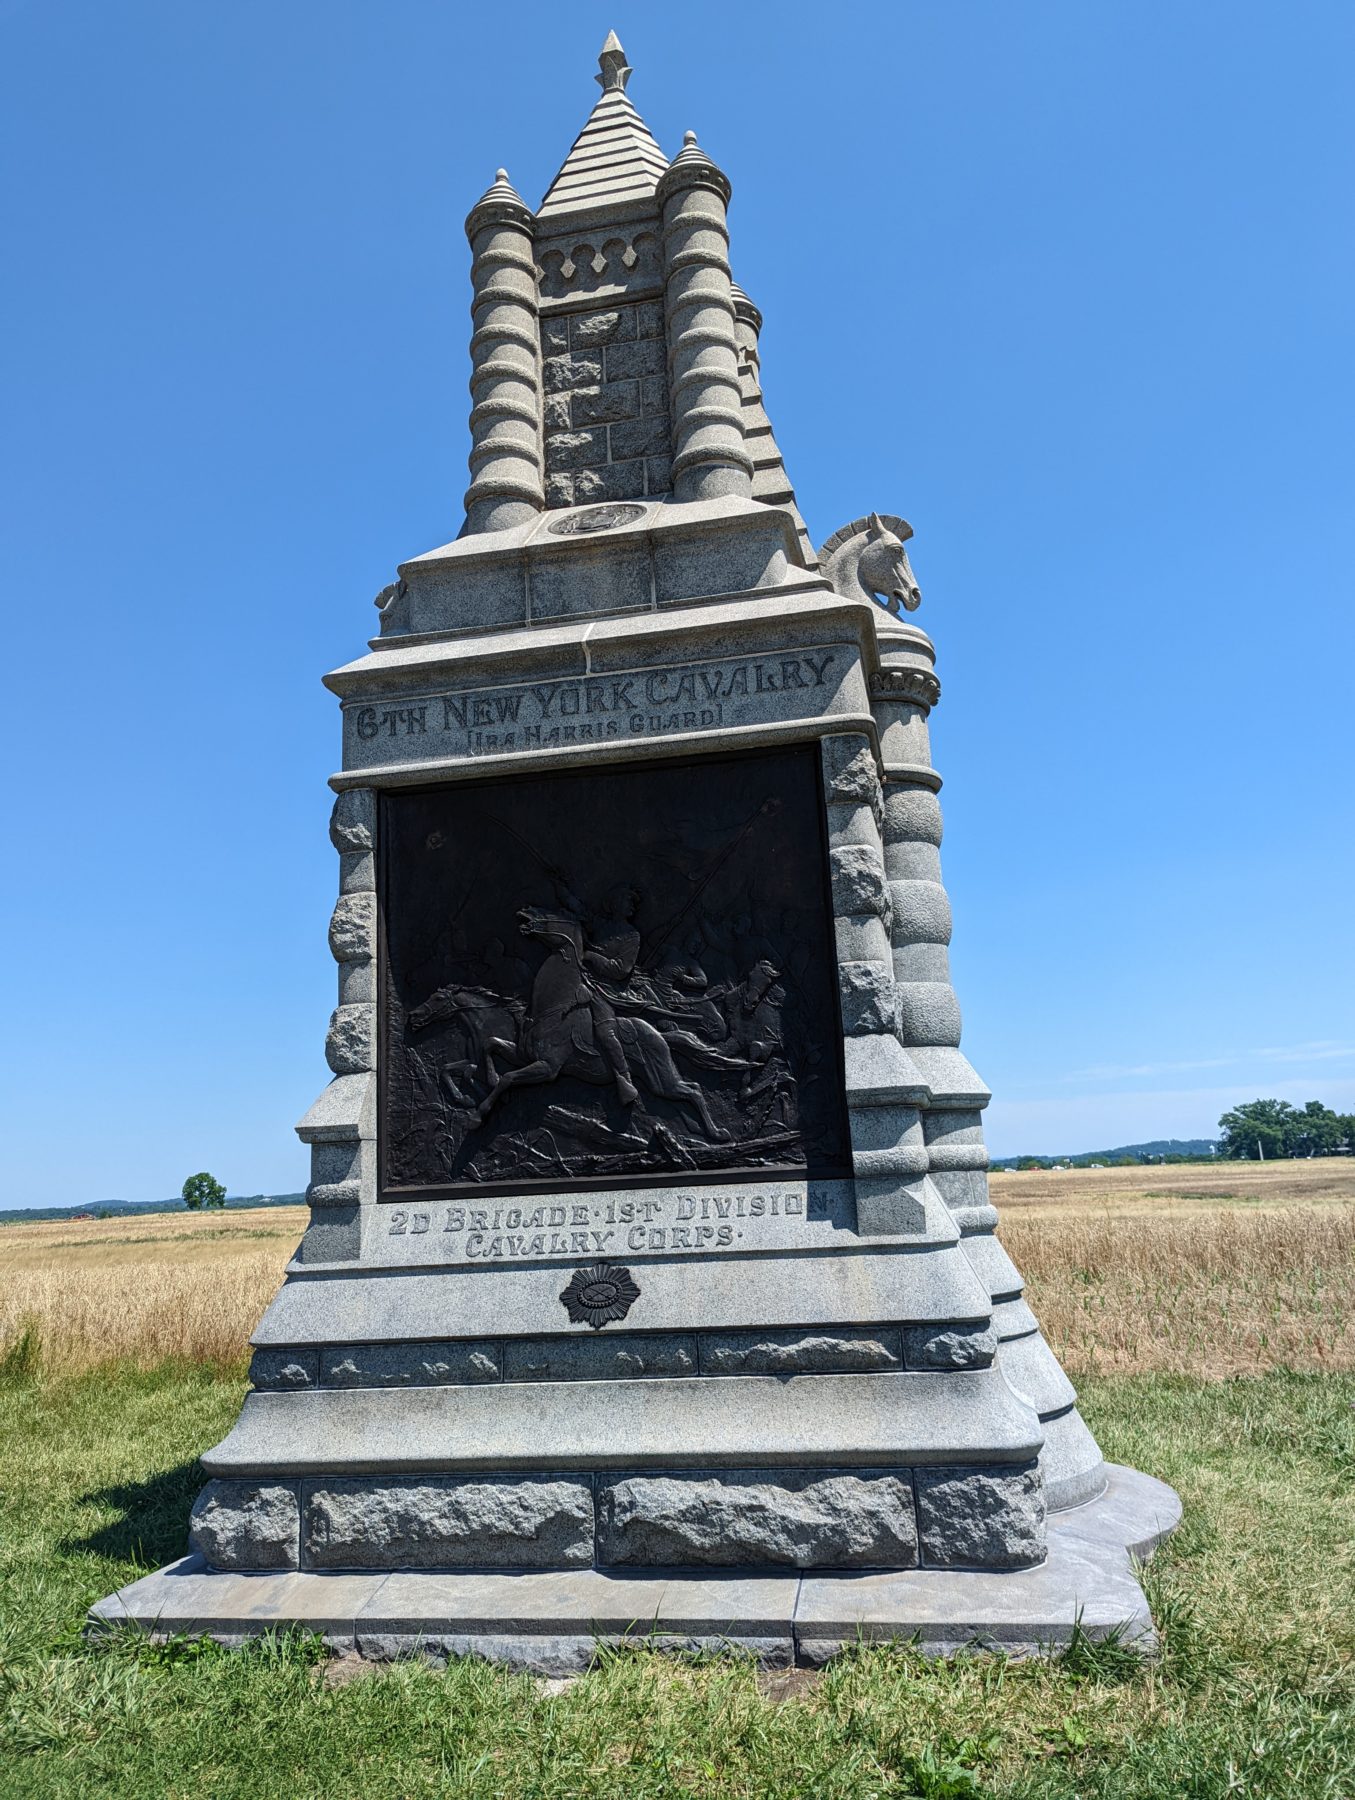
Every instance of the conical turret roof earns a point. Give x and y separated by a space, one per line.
614 159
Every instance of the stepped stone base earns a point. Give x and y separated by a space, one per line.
550 1622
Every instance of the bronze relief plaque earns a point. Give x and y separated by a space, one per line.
620 976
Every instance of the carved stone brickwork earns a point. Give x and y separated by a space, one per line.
917 687
812 1350
614 264
606 404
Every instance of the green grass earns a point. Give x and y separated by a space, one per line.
1254 1696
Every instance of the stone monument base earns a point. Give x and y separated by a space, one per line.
550 1622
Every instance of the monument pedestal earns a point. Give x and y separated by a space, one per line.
551 1623
651 1273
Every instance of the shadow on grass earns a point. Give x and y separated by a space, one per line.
153 1526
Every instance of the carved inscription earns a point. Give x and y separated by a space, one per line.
658 1224
599 977
494 721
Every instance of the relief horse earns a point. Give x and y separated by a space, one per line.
559 1035
482 1020
866 560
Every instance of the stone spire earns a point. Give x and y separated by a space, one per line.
614 159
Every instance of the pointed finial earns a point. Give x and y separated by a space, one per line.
500 202
691 167
614 70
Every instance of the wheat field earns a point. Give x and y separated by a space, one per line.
1213 1270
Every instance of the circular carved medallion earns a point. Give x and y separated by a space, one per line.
599 1295
596 518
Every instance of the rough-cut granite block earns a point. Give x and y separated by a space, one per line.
534 1521
618 481
850 772
575 450
984 1518
598 1359
626 362
352 928
352 824
246 1524
639 437
951 1347
870 999
588 329
564 373
767 1517
350 1046
859 884
831 1350
408 1365
603 405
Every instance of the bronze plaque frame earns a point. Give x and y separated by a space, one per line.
613 977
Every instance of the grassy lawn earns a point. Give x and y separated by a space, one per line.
1254 1695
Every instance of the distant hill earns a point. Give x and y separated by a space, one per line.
1157 1150
127 1209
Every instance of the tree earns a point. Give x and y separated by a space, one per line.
203 1190
1260 1128
1274 1128
1316 1131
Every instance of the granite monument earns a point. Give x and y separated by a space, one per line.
651 1282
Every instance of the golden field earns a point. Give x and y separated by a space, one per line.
1216 1270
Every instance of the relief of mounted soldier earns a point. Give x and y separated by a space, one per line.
606 1011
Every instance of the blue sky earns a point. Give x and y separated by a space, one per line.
1067 285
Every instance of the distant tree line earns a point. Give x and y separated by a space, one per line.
1127 1156
1266 1130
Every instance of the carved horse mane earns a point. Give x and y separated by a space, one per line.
866 560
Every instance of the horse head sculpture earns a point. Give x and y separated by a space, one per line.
866 560
551 926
